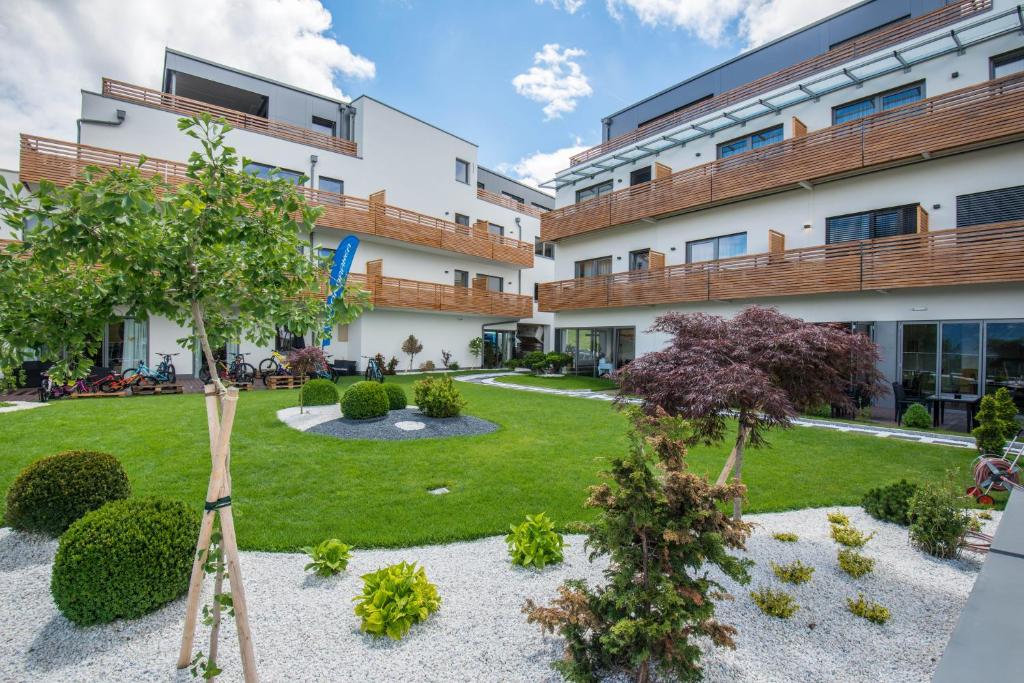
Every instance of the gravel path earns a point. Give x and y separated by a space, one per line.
402 425
305 630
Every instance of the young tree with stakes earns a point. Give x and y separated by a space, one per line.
761 367
220 253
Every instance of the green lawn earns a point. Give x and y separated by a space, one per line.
565 382
292 489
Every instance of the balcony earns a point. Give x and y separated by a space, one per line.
985 254
63 162
257 124
394 292
975 117
502 200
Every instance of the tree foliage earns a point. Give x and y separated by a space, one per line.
411 346
997 422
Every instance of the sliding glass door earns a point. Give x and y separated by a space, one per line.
919 358
596 351
961 357
941 357
1004 359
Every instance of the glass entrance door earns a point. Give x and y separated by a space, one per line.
920 358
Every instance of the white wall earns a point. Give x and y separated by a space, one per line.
383 331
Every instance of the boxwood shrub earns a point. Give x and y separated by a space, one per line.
364 400
917 417
52 493
397 400
318 392
438 397
124 560
890 503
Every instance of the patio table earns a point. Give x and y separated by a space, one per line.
939 401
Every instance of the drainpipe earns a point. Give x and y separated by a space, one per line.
312 169
520 271
120 114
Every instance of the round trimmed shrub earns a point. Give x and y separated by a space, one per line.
124 560
438 397
318 392
364 400
397 400
52 493
917 417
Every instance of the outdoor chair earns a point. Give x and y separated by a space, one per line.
902 402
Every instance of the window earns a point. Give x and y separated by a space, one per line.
640 175
1004 359
545 249
869 225
327 254
640 259
494 282
495 229
538 206
480 186
890 99
594 267
536 291
342 333
768 136
322 125
716 248
594 191
513 197
462 278
1008 63
265 171
331 184
992 206
462 219
462 171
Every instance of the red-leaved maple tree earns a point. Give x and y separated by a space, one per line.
760 367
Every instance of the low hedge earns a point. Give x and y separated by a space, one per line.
52 493
365 400
318 392
124 560
397 400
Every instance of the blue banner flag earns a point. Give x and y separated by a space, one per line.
343 258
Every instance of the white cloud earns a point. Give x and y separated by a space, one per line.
555 79
755 21
569 6
52 50
542 166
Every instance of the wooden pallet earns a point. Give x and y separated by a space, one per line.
242 386
100 394
145 390
285 382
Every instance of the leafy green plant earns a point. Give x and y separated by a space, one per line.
775 603
536 361
974 524
535 543
392 367
410 347
446 359
557 360
850 536
890 503
819 410
996 420
795 572
872 611
51 493
937 520
838 518
513 363
364 400
124 560
917 417
394 599
985 514
785 537
476 347
328 557
855 564
428 366
438 397
397 400
454 365
318 392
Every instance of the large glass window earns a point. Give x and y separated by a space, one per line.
265 171
640 175
890 99
494 282
495 229
1004 359
545 249
1008 63
462 278
761 138
640 260
331 185
961 357
462 219
716 248
513 197
594 267
898 220
462 171
919 360
322 125
593 191
597 351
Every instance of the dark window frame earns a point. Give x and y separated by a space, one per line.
876 100
602 184
492 278
536 291
459 276
513 197
636 175
462 222
466 164
717 242
577 265
320 182
749 139
873 215
541 248
325 123
637 252
285 173
1003 59
500 229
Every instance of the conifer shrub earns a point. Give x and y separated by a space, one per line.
938 521
775 603
996 420
890 503
850 536
785 537
795 572
872 611
855 564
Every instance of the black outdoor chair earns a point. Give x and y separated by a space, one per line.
902 401
344 368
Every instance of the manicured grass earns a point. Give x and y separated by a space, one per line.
571 382
293 489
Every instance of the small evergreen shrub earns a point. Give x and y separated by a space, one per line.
917 417
557 360
795 572
328 557
394 599
890 503
124 560
52 493
850 536
536 361
855 564
454 365
428 366
438 397
871 611
821 410
996 420
786 537
535 543
397 400
318 392
775 603
365 400
513 363
838 518
937 521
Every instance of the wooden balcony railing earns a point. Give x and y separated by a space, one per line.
394 292
978 116
983 254
256 124
508 203
853 49
62 162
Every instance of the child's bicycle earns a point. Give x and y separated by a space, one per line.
374 372
239 372
274 366
50 390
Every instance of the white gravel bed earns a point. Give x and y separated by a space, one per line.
305 630
20 405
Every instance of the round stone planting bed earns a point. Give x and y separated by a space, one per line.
400 425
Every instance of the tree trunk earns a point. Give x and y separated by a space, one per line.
743 433
204 342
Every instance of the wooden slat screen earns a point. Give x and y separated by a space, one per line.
799 128
393 292
502 200
655 260
987 114
963 256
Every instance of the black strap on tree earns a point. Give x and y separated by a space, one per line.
217 504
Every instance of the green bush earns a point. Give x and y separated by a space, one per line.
364 400
849 536
821 410
838 518
52 493
917 417
318 392
996 420
535 543
937 520
438 397
397 400
328 557
394 599
535 360
775 603
558 360
890 503
786 537
871 611
428 366
794 572
124 560
454 365
513 363
855 564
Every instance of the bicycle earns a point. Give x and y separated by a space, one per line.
50 390
149 376
373 370
113 382
166 367
239 372
275 365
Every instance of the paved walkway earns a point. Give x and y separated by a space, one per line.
880 431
